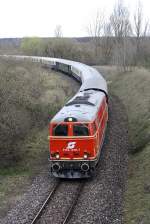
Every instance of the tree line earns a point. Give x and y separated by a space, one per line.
121 40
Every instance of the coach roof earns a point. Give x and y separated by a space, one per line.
90 77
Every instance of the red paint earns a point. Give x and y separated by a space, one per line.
74 147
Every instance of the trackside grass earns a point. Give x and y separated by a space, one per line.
133 88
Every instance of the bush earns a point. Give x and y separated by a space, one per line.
20 89
29 95
66 48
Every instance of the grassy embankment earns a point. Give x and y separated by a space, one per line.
133 88
29 94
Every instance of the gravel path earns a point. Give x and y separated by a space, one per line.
102 196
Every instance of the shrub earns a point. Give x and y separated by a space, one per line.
29 95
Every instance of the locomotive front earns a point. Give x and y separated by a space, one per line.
72 149
73 145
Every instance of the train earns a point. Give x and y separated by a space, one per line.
77 131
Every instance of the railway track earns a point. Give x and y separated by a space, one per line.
42 215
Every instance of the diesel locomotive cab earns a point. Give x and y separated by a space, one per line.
72 148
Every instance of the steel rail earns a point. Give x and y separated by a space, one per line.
38 215
69 212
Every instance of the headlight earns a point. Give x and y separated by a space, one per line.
57 156
85 156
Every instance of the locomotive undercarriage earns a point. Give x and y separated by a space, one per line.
73 169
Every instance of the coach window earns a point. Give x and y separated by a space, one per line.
80 130
60 130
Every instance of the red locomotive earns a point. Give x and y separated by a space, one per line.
77 132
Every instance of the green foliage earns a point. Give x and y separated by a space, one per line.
58 47
32 46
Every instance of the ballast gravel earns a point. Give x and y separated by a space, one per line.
102 197
101 200
26 208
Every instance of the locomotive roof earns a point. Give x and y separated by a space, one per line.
84 110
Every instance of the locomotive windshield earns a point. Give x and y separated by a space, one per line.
76 129
80 130
60 130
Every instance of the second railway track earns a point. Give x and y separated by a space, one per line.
60 203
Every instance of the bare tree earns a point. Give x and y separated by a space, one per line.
120 21
107 43
141 29
95 30
121 28
58 31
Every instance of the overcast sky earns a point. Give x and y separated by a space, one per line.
19 18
